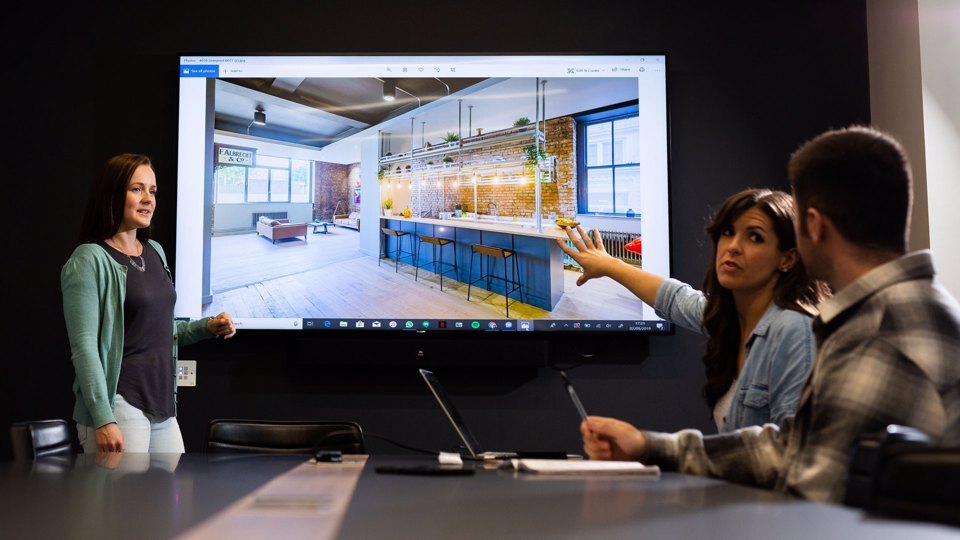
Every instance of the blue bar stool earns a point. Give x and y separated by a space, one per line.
492 253
436 244
399 235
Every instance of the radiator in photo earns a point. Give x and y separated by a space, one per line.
615 242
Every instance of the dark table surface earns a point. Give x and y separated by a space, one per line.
162 495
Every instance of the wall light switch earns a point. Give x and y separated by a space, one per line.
186 372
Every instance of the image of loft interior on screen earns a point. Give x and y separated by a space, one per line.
467 168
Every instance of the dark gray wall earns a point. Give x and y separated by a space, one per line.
748 82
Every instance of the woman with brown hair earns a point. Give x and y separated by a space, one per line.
118 300
755 307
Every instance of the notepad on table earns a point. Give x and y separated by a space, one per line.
561 466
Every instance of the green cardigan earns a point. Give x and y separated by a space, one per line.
94 286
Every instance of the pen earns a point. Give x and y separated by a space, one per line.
573 396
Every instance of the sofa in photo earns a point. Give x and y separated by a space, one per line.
278 229
344 220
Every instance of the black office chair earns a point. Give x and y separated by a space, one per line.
902 473
41 438
283 437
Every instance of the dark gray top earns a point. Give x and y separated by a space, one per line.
146 380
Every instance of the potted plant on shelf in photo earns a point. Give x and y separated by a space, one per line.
522 121
387 206
533 155
447 161
536 159
450 138
380 174
429 164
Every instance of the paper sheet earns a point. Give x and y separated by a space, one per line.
578 466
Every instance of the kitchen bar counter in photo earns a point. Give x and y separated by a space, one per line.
539 257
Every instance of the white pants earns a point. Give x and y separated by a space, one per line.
141 432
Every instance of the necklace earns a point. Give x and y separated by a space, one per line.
143 264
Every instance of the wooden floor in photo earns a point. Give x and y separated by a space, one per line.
318 279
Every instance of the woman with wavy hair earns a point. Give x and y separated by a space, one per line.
755 307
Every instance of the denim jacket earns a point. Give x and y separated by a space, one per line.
779 354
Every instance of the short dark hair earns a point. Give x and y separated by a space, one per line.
108 195
859 177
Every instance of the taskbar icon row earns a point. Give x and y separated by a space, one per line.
605 326
488 325
509 325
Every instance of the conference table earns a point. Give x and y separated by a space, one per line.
192 496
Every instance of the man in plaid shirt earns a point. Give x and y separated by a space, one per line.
888 340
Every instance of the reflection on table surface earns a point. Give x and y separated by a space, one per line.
222 496
126 495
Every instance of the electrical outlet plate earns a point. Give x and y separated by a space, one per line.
186 372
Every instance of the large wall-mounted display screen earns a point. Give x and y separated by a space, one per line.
419 193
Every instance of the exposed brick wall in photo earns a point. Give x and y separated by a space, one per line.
434 190
333 182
